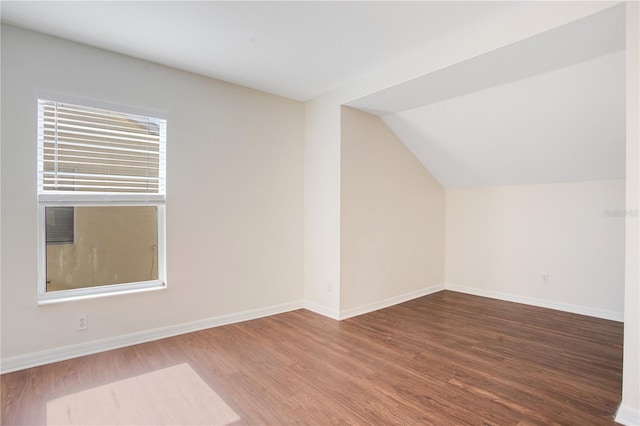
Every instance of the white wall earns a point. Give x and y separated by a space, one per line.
392 218
234 193
629 412
501 240
322 207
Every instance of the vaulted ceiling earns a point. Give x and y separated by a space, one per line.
546 109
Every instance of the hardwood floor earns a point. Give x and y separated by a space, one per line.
443 359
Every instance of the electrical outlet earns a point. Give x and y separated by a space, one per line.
545 278
330 286
82 323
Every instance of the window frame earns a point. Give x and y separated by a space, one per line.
95 199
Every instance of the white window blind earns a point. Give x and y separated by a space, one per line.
85 150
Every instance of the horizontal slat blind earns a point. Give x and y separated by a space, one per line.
99 151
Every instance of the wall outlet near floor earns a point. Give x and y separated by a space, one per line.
82 322
330 286
545 278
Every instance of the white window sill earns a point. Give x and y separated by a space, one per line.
99 291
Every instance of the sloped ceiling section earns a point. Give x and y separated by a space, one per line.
565 125
547 109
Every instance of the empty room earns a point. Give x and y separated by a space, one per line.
385 212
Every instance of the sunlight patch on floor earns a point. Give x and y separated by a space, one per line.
174 395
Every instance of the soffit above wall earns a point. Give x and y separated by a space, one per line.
580 41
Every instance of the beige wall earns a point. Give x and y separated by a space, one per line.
501 240
234 203
392 216
113 245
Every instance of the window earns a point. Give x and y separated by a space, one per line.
101 199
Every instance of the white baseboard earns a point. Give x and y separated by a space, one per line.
322 310
575 309
35 359
628 416
349 313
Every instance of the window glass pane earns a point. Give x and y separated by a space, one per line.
113 245
59 221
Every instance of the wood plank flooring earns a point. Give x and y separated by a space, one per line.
443 359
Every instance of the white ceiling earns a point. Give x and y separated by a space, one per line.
546 109
298 50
